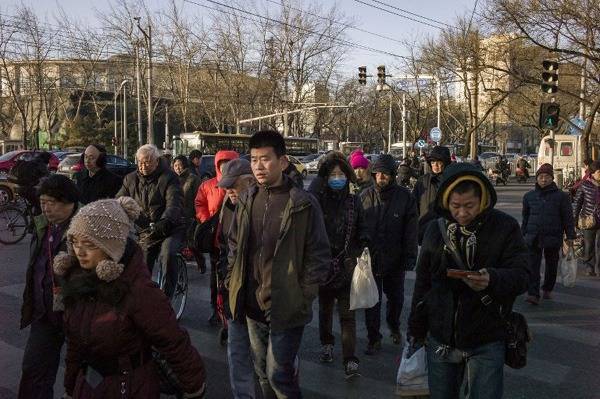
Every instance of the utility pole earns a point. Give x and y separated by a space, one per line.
125 120
389 149
148 38
167 138
138 90
404 125
115 133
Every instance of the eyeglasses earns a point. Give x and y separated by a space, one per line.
83 245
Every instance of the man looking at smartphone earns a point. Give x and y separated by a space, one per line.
460 313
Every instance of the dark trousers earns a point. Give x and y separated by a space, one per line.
213 281
535 262
327 299
41 360
392 285
591 242
275 355
166 252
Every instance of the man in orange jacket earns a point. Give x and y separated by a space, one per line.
208 202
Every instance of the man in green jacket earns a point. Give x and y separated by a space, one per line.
278 256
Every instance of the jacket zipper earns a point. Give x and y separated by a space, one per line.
264 219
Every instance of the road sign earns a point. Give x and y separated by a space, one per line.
421 143
577 121
435 134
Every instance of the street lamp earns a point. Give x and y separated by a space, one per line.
384 87
148 39
116 136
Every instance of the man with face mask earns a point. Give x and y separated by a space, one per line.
391 215
347 233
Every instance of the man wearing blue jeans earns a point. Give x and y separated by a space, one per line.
459 314
278 255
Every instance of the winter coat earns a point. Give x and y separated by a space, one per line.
296 177
335 207
425 192
392 228
109 325
448 309
41 227
300 263
587 199
547 216
189 184
104 184
160 197
209 197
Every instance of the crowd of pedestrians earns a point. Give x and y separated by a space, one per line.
274 248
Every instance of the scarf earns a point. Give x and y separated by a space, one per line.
464 239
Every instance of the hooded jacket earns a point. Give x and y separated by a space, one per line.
587 199
210 197
547 216
109 326
300 262
448 309
189 185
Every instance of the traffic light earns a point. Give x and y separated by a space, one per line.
549 113
550 76
362 75
381 75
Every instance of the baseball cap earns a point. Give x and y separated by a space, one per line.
232 170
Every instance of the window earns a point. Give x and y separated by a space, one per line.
566 149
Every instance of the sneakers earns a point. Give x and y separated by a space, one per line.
351 369
547 295
396 337
373 348
326 355
532 300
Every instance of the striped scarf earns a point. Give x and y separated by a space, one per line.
465 241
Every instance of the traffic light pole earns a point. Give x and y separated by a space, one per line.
390 123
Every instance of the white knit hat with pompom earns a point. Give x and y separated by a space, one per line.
106 223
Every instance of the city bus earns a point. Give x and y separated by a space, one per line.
210 143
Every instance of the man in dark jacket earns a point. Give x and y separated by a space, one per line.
95 181
459 313
278 256
427 186
391 214
547 216
237 177
42 307
157 191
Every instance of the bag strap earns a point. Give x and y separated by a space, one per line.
350 210
484 298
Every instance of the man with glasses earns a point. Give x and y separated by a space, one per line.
42 307
156 189
95 181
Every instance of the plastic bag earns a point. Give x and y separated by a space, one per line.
568 269
363 291
412 373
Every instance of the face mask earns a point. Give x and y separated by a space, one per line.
337 183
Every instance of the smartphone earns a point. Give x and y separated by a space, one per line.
457 273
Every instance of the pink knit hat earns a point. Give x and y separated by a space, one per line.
358 160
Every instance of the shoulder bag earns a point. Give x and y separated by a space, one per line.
335 278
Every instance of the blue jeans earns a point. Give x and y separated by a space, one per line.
241 372
275 357
467 374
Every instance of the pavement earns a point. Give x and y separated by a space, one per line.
564 358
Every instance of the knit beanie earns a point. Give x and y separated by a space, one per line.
440 153
358 160
105 223
385 163
545 168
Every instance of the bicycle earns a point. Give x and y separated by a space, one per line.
180 294
15 222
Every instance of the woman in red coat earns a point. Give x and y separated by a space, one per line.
114 313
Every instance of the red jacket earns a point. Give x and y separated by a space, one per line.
210 197
105 336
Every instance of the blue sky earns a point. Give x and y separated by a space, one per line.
366 18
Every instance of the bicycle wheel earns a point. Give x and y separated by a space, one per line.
179 298
13 225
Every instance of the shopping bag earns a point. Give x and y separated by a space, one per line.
363 291
568 268
412 372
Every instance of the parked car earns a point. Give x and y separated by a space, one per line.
307 158
7 191
8 160
299 165
313 166
73 164
207 167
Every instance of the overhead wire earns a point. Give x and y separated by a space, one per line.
437 21
397 14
